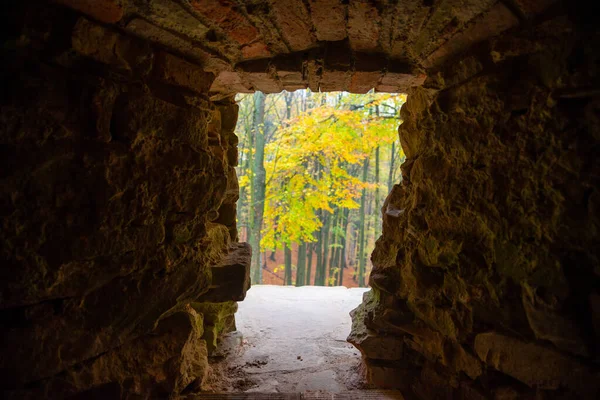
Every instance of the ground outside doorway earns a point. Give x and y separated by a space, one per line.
293 340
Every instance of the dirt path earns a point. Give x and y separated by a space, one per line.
294 340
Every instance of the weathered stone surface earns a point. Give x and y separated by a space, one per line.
498 19
226 15
231 277
390 376
108 11
535 365
329 20
473 242
368 72
118 192
363 26
229 82
111 48
218 320
446 20
218 34
152 33
294 21
176 71
547 323
117 177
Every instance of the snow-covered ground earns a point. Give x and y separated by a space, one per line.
294 339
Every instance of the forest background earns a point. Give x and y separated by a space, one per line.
314 170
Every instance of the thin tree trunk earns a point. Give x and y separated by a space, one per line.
325 268
258 186
377 207
345 224
334 247
319 251
362 261
287 251
391 173
301 265
309 264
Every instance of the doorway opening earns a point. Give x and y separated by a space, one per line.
314 170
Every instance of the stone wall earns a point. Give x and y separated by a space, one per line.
486 280
120 267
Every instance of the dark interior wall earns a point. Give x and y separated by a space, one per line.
487 276
117 199
119 261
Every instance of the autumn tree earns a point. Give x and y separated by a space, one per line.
322 157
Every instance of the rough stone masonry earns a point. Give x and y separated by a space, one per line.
120 262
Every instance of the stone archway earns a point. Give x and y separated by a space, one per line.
118 189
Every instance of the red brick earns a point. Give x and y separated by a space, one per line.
230 82
289 70
398 82
294 22
362 82
498 19
255 51
363 26
261 75
329 19
368 71
108 11
225 15
263 81
334 81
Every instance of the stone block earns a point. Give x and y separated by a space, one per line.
261 75
495 21
229 114
255 50
263 81
379 347
368 70
293 20
535 365
333 81
384 375
231 277
110 47
175 71
337 69
144 29
229 83
225 14
394 82
289 70
219 319
363 26
547 323
107 11
156 365
446 19
329 20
